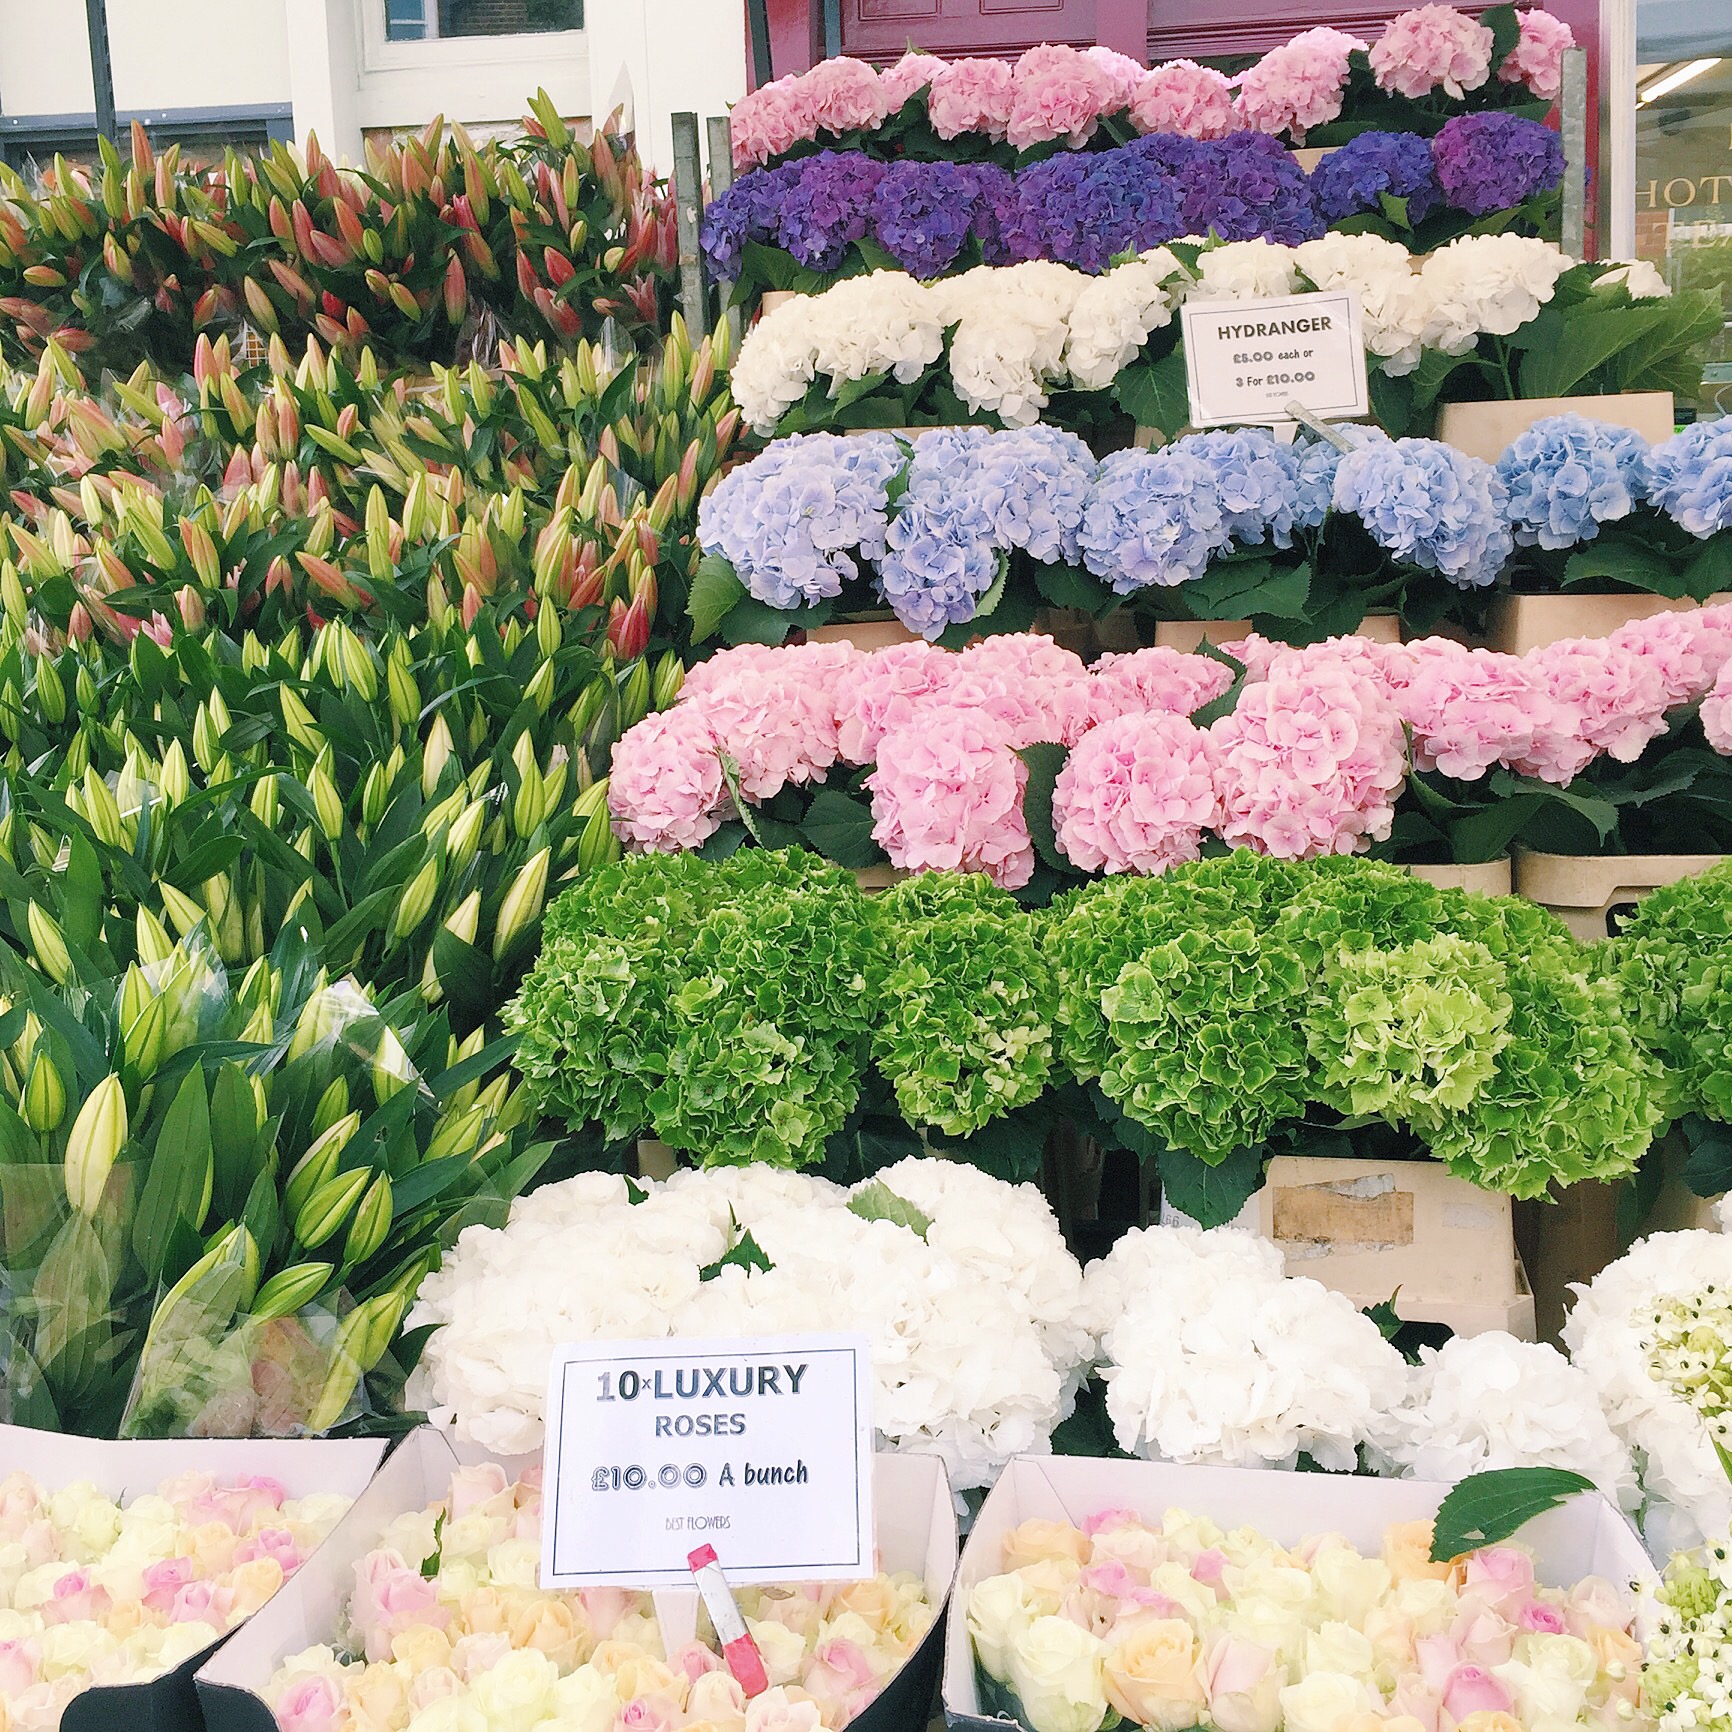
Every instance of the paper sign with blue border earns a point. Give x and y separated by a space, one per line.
761 1448
1245 361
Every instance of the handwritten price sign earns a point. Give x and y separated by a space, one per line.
1245 361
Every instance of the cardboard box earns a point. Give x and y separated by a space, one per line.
1486 878
865 634
1486 430
916 1531
1519 623
1586 1537
133 1469
1586 891
1186 634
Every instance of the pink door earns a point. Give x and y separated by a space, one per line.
881 29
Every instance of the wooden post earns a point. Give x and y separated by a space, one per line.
688 206
721 178
1573 113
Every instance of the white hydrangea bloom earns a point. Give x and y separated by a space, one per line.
1610 1334
1487 285
1217 1357
1011 323
1246 270
1641 277
1115 313
1393 300
1491 1401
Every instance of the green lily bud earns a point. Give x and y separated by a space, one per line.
528 806
593 799
539 691
144 1022
357 665
320 1022
371 1223
634 697
290 1289
598 845
392 1069
318 1166
327 803
299 721
50 691
549 631
174 781
434 754
98 1135
227 928
44 1103
670 676
180 908
522 904
553 781
464 836
84 689
47 944
375 792
400 686
456 1133
359 1345
416 901
325 1211
333 1104
465 917
261 1026
264 801
154 943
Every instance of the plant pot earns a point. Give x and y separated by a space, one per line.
872 879
1487 877
1485 430
1519 623
864 634
1369 1228
771 299
1587 891
1186 634
656 1159
1566 1239
1069 627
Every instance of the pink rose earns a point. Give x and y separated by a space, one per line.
971 96
1413 1699
649 1714
474 1488
1503 1576
777 1711
1473 1690
1439 1658
1538 56
76 1599
389 1597
1242 1682
203 1603
1106 1520
604 1607
716 1696
433 1685
1209 1568
1186 98
309 1705
275 1543
1543 1619
162 1581
840 1678
473 1655
19 1502
19 1663
694 1660
1486 1637
1594 1601
273 1490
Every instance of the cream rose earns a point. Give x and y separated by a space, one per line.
1035 1541
1347 1584
782 1651
585 1701
1320 1702
1057 1671
1407 1552
517 1692
1151 1675
1000 1610
1337 1647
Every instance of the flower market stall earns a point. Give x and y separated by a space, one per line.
1189 948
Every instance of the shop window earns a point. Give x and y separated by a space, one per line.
424 20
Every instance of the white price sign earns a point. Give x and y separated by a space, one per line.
761 1448
1245 361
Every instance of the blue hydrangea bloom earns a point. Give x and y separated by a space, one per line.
1154 518
1034 484
748 211
828 207
1430 506
1311 463
1689 476
921 215
1257 481
941 551
1566 475
1353 179
795 520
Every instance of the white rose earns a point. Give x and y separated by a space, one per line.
181 1641
1320 1702
514 1563
1058 1674
1000 1611
517 1692
14 1563
1347 1584
585 1701
1430 1605
18 1626
36 1587
450 1714
1552 1680
1336 1647
782 1650
1188 1535
474 1535
321 1510
1177 1583
75 1647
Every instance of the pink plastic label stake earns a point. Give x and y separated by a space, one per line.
738 1648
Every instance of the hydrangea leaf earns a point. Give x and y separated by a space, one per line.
1211 1195
716 587
1045 760
1155 393
1487 1508
840 828
877 1202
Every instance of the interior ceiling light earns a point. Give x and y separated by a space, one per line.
1679 76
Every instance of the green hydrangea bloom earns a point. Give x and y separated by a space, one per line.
967 1001
1407 1030
727 1004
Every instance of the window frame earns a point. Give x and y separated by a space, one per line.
380 53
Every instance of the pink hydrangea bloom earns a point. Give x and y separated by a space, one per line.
1688 645
914 71
1136 795
1468 709
666 790
1538 56
1154 679
947 794
1036 688
724 667
1606 700
880 691
1127 74
1298 85
1310 762
1432 46
845 95
971 96
1716 713
1185 97
769 121
777 719
1058 92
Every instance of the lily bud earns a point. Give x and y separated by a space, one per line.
50 691
417 899
464 837
375 792
464 919
290 1290
174 782
47 944
670 677
264 801
434 754
98 1135
400 686
634 696
598 846
154 943
371 1223
522 904
327 803
325 1211
44 1104
182 911
318 1166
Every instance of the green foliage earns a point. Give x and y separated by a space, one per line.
1487 1508
965 1031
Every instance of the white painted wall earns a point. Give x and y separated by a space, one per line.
44 58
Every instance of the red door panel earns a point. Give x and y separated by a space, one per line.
882 29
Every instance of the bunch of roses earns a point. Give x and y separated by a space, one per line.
975 1324
97 1593
446 1624
1018 331
1178 1623
1649 1330
1054 93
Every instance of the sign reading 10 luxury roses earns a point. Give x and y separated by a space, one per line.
760 1448
1245 361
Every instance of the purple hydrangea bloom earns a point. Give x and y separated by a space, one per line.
921 215
1689 477
1051 218
992 200
1085 210
748 211
829 207
1354 178
1429 506
1492 162
1246 188
1567 475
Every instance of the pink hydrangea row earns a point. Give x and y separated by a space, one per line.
1537 59
1154 679
974 95
1717 713
1429 48
1137 794
1298 86
1060 92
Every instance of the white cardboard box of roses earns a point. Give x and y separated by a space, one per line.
250 1489
274 1673
1230 1586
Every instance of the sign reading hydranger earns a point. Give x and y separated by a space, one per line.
1245 361
761 1448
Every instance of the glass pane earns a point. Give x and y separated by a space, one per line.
508 17
405 20
1684 161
